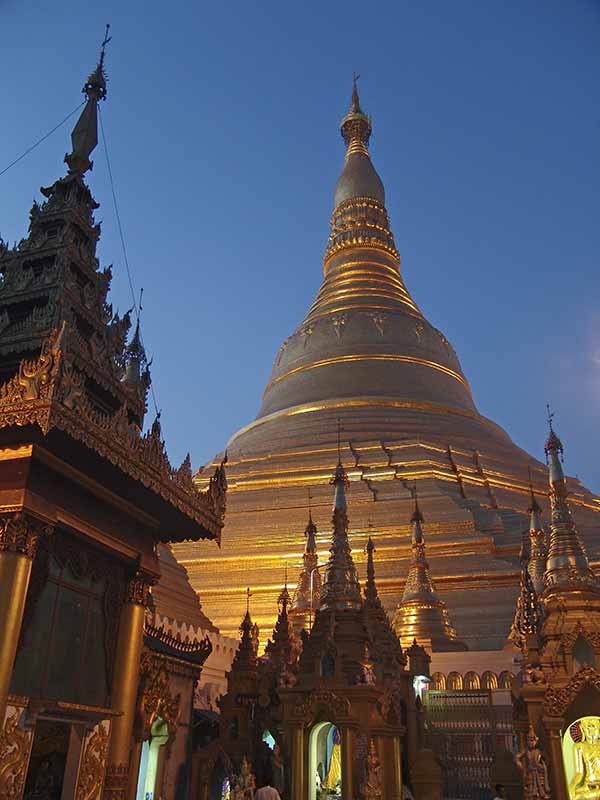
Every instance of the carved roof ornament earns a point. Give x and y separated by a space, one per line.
556 701
567 564
528 613
537 542
155 698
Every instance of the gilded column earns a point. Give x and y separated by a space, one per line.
19 536
347 764
553 726
125 686
298 764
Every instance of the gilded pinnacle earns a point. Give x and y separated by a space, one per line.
567 563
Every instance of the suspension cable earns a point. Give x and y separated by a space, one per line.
43 139
123 247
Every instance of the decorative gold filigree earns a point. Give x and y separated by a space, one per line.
15 743
333 704
567 640
20 533
93 762
556 701
155 699
138 589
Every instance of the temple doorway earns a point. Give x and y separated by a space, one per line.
46 773
324 762
149 761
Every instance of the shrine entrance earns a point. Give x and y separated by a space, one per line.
324 762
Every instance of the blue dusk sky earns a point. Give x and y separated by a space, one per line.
222 122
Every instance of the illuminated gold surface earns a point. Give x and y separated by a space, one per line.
328 362
365 355
15 569
125 682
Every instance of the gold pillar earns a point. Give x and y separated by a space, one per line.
298 768
19 535
392 773
553 726
125 686
347 764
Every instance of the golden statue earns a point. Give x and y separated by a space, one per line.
535 772
586 781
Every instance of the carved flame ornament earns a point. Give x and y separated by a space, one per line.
14 753
156 700
93 763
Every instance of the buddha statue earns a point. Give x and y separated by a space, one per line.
531 762
586 781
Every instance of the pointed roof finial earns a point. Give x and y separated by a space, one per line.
355 103
248 596
417 516
84 137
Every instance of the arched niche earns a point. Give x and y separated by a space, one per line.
471 681
454 681
489 680
583 653
505 679
324 760
438 681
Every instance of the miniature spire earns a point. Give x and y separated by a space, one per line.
308 591
135 355
245 657
370 586
84 137
567 562
537 542
420 613
528 613
282 649
385 642
341 588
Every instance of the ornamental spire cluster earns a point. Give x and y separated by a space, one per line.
528 613
567 563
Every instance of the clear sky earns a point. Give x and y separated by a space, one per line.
222 124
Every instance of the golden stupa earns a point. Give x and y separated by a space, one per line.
365 354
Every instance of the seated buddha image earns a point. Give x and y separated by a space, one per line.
585 784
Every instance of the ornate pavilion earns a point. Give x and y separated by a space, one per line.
102 639
366 355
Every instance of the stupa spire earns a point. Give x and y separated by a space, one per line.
341 588
421 615
84 137
308 591
567 562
